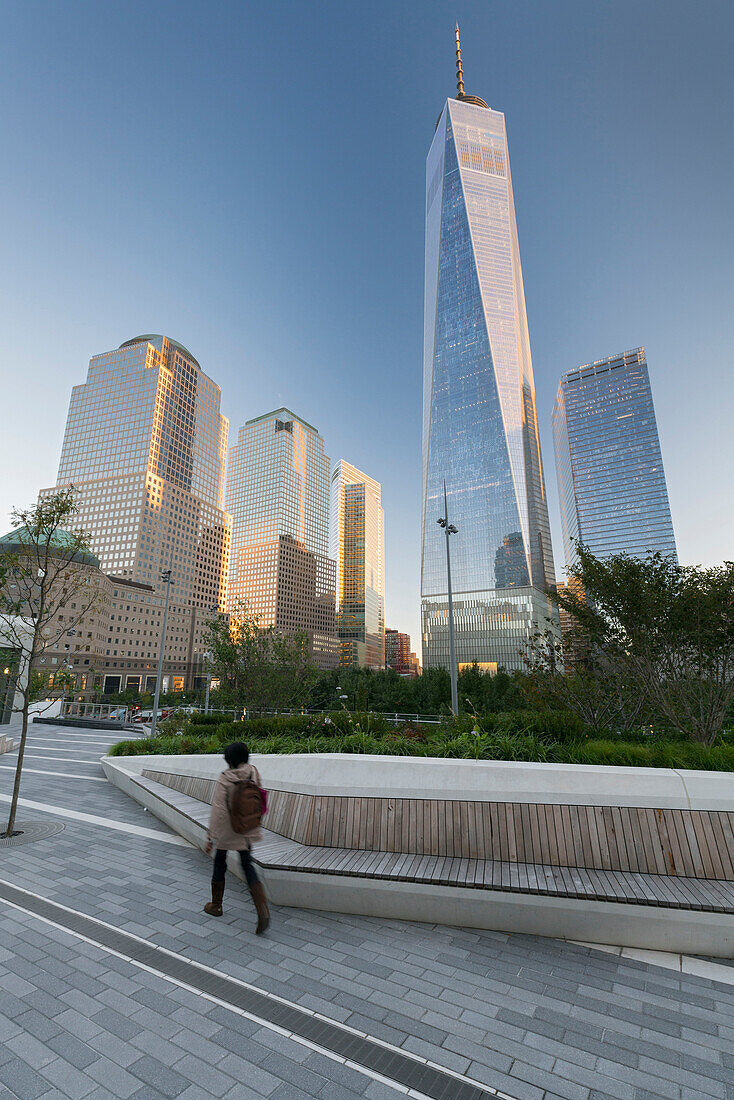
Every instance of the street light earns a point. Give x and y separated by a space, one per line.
166 578
207 657
449 530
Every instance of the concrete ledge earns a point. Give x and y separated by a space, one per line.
685 932
640 926
91 724
470 780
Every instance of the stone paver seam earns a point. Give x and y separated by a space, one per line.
266 1023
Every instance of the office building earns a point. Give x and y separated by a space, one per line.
611 482
145 446
105 634
357 544
278 496
398 655
480 426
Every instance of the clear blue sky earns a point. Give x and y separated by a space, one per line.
249 179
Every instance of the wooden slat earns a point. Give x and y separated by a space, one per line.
647 855
703 844
635 852
676 820
527 838
713 844
725 850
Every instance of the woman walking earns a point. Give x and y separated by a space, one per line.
232 805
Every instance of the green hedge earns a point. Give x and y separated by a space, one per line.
518 735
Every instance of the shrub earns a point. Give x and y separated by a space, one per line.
553 737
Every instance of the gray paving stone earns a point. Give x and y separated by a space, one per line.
148 1020
294 1073
24 1081
376 1090
337 1074
73 1022
113 1048
549 1082
68 1079
73 1050
155 1001
572 1005
9 1027
159 1076
204 1075
334 1091
30 1049
569 1071
114 1022
114 1078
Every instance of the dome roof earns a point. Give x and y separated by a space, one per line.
152 336
15 542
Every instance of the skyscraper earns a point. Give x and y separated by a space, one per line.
398 655
611 481
357 544
278 495
480 427
145 446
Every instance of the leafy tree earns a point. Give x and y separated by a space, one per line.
664 631
42 570
599 691
259 668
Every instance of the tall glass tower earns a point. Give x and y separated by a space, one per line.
480 426
144 447
357 544
611 481
278 496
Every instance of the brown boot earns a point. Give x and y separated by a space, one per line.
214 907
261 907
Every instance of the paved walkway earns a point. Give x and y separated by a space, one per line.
530 1017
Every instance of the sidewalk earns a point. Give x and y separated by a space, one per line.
529 1017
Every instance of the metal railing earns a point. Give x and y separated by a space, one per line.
110 712
388 716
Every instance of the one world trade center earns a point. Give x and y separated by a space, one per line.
480 426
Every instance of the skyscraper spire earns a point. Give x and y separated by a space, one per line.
460 94
459 72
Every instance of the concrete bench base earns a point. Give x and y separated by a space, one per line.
642 924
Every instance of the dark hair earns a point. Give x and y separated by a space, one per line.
237 753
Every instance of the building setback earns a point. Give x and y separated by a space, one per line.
357 544
145 447
611 482
278 495
480 427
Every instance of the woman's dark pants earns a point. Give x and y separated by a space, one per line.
220 866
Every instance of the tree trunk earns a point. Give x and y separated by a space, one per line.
18 768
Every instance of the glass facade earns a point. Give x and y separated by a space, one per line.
611 481
357 544
480 430
145 446
278 496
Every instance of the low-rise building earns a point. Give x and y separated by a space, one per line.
115 644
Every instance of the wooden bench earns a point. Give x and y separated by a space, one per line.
510 832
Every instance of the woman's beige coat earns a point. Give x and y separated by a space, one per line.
221 833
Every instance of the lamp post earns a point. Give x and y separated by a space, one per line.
166 578
207 657
449 530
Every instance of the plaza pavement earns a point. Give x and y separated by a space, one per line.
534 1018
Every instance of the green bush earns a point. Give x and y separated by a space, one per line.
520 735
